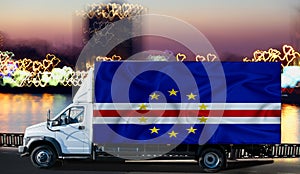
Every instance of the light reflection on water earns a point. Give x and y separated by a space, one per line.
290 121
21 110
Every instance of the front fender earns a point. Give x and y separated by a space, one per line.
34 142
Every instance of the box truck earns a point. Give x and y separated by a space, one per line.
209 112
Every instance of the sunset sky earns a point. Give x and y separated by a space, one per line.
232 26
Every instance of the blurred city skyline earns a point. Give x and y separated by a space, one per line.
235 28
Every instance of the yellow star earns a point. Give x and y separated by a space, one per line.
191 130
203 107
154 130
173 134
154 96
173 92
143 107
202 119
143 119
191 96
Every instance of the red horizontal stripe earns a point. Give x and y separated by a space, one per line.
187 113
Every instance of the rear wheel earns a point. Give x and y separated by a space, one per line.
43 157
212 160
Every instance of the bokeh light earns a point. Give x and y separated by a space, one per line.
287 57
46 72
39 73
111 11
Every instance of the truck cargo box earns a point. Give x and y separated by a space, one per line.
187 103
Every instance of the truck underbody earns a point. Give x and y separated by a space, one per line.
210 157
192 151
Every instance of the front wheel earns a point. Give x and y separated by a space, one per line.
43 157
212 160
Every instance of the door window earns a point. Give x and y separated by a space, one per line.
76 114
72 115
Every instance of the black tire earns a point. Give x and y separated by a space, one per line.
43 157
212 160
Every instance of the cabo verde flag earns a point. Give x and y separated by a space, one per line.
187 102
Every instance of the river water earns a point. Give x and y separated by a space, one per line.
17 111
21 110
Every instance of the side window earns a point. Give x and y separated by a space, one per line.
76 114
72 115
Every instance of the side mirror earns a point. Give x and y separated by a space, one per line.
51 123
48 115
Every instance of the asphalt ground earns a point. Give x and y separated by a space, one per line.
11 162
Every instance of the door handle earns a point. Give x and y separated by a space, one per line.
81 127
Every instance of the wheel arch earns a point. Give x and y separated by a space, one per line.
45 141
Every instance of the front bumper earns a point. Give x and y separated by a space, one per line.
23 151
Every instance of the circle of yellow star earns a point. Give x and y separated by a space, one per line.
191 96
154 96
173 134
191 130
173 92
203 107
202 119
143 107
154 130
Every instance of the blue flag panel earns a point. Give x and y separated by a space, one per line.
251 92
231 82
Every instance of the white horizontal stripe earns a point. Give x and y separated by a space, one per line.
188 106
187 120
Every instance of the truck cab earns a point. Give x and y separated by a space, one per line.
66 135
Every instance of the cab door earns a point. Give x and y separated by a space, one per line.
71 131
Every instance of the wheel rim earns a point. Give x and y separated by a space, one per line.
211 160
43 157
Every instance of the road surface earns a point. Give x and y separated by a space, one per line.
11 163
